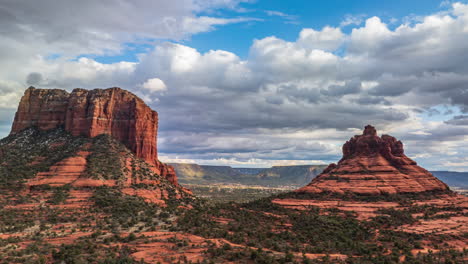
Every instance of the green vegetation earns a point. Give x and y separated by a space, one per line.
271 228
402 198
60 194
264 231
392 217
332 233
14 220
125 209
309 231
105 161
88 252
32 151
108 161
235 193
257 231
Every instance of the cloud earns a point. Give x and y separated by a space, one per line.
35 38
194 25
328 38
349 87
446 3
287 100
34 78
65 22
460 120
154 85
289 19
355 20
371 37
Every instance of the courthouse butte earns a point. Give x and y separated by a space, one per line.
89 113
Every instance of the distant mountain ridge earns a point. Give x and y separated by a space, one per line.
453 178
294 175
275 176
251 171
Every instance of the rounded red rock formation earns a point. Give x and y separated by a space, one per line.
374 165
89 113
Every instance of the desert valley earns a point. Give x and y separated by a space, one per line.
81 182
233 132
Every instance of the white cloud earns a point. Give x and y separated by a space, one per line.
289 19
154 85
203 24
327 39
370 37
349 20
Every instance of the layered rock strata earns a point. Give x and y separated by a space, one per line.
374 165
89 113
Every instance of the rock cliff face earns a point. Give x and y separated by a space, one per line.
374 165
89 113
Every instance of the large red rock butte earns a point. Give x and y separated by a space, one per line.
374 165
89 113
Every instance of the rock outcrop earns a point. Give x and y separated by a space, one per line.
90 113
374 165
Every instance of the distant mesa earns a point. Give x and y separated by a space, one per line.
276 176
89 113
374 165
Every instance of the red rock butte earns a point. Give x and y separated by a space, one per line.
89 113
374 165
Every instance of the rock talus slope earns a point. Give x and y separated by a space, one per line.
374 165
90 113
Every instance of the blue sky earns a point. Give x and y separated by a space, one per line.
256 83
298 14
306 14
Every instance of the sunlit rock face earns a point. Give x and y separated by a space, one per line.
374 165
90 113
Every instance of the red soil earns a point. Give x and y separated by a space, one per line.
63 172
365 210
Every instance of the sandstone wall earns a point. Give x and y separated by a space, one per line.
89 113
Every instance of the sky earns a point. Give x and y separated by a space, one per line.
256 83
